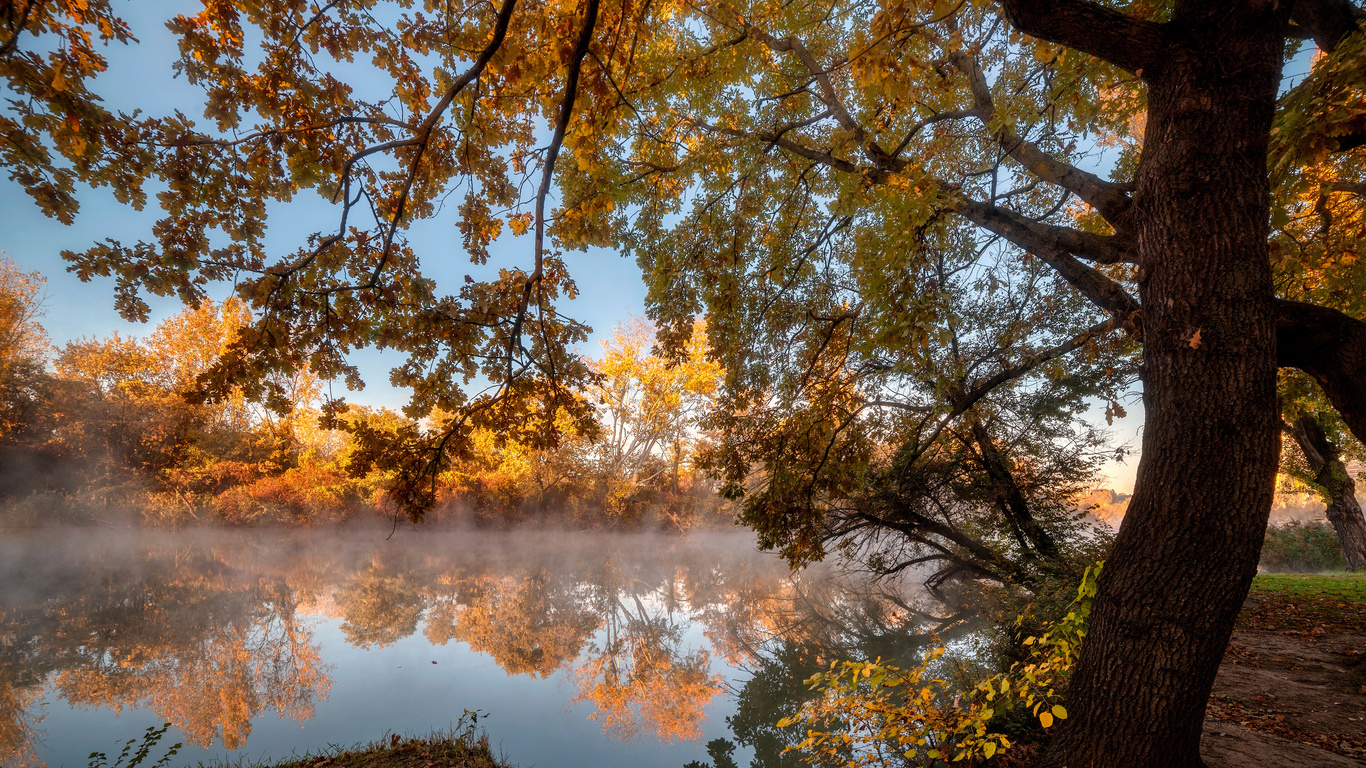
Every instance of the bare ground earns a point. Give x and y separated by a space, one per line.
1292 689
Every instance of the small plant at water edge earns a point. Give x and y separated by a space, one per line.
875 714
137 757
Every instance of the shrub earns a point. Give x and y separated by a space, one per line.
45 508
1297 547
303 495
869 713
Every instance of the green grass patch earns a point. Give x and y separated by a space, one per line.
1342 586
1307 603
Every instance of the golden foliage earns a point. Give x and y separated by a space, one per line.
876 714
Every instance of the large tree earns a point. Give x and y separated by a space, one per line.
905 221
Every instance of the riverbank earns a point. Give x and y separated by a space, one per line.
436 751
1292 689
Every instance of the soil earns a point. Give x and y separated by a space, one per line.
1291 692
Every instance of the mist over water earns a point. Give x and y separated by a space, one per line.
613 649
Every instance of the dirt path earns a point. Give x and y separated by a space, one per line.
1292 690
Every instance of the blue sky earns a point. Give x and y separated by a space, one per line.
140 77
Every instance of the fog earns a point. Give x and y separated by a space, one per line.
633 647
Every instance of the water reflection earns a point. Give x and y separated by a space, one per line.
212 632
204 645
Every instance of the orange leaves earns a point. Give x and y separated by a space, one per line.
642 683
479 227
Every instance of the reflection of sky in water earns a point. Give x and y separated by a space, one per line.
608 589
398 688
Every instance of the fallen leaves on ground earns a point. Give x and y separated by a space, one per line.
1269 721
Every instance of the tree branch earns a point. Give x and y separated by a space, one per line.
1351 141
822 78
1331 347
1128 43
571 90
1030 362
777 139
1055 246
423 138
1328 21
1110 199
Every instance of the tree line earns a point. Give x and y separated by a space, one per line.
115 426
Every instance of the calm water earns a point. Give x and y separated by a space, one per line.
580 650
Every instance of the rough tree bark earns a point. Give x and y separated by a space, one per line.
1188 549
1337 487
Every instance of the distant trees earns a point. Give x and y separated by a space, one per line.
23 344
651 411
120 421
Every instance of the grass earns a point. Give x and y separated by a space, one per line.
1342 586
439 750
1307 603
461 747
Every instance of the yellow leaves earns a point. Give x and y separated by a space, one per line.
912 708
520 223
77 144
59 82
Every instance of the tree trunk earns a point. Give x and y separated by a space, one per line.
1188 548
1338 489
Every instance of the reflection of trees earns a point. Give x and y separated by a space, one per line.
210 636
787 627
532 624
380 605
775 691
18 734
642 677
201 646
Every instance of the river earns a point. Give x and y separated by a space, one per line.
627 650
